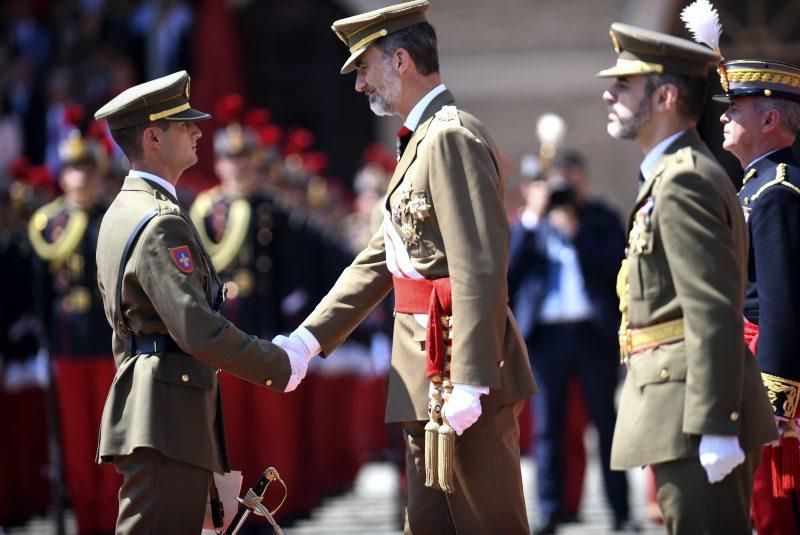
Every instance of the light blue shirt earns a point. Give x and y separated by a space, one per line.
412 121
654 156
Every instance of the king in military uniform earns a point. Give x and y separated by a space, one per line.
692 406
760 125
162 422
459 365
63 234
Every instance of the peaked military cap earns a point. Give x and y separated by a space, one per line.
163 98
360 31
641 51
760 77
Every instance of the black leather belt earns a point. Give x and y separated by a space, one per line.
139 344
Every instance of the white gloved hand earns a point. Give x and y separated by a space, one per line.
299 355
463 407
719 454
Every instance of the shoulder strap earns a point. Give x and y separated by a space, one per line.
126 252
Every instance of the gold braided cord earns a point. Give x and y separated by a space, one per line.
623 289
169 112
368 39
58 250
781 388
780 179
238 221
740 76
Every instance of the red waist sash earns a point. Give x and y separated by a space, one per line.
431 297
751 335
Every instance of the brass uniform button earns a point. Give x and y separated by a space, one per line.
664 374
185 378
735 416
268 382
501 363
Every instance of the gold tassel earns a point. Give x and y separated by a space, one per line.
447 448
431 434
431 454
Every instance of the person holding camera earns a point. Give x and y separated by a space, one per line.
564 256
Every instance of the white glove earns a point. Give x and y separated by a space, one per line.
299 355
463 407
719 454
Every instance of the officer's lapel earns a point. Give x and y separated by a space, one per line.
645 190
410 154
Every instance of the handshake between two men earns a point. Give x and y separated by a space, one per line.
462 409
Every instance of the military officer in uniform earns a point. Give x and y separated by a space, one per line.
63 234
760 126
692 406
239 226
443 247
162 424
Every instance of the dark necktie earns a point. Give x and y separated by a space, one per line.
403 135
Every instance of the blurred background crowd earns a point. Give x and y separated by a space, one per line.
292 168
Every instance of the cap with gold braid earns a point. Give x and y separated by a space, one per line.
761 77
642 51
163 98
360 31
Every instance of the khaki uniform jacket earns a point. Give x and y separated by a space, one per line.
687 258
170 401
450 170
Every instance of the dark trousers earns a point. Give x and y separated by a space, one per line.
559 352
160 495
693 506
488 483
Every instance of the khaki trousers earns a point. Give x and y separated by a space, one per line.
488 483
693 506
160 495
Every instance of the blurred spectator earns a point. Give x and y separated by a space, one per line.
564 256
64 237
10 140
164 27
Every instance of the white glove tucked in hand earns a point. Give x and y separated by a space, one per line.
719 454
463 407
297 348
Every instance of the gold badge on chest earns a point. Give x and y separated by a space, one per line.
412 208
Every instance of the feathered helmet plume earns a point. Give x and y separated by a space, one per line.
702 20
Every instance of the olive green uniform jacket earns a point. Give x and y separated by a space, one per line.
687 258
170 401
450 172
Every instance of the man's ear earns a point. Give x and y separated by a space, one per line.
666 97
401 60
770 120
151 136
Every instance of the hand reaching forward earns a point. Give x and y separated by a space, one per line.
299 356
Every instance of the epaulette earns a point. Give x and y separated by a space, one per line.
779 180
684 158
165 204
447 116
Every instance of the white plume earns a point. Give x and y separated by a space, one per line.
702 20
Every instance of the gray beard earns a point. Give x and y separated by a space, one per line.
381 106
